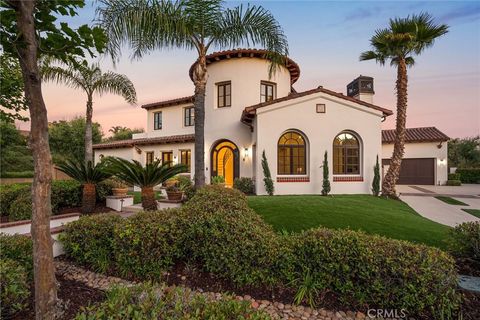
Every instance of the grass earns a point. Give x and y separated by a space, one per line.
473 212
137 196
451 201
387 217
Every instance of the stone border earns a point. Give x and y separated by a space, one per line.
20 222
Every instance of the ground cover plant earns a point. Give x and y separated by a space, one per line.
473 212
451 201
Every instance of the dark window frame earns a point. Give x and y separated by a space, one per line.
223 98
186 155
164 153
289 157
345 151
149 157
263 94
157 120
189 116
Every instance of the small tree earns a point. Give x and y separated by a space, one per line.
376 179
267 177
326 183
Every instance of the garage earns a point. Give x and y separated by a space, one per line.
419 171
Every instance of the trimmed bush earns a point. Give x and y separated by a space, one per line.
18 248
146 244
214 197
371 270
104 189
464 240
454 183
469 175
17 174
245 185
21 207
89 240
150 302
8 193
14 289
453 176
66 194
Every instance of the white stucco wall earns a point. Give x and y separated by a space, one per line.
125 153
172 122
424 150
320 129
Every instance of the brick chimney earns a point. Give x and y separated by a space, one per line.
361 88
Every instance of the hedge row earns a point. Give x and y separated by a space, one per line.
17 174
220 234
469 175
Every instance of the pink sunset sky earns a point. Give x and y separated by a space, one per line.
444 85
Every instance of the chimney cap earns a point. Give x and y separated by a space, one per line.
362 84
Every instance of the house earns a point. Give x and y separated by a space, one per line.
246 113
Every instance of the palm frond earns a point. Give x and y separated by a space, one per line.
84 172
115 83
68 76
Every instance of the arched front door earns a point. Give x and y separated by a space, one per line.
225 161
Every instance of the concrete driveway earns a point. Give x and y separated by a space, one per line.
422 199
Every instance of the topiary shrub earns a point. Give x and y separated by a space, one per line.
90 240
371 270
146 244
267 176
464 240
14 289
453 176
245 185
454 183
18 248
21 207
147 301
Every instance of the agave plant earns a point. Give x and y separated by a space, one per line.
155 173
88 175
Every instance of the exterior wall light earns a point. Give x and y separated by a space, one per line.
245 154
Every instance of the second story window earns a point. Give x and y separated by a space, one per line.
149 157
267 91
157 120
224 94
188 116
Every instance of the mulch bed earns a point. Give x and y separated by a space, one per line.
75 294
468 267
471 305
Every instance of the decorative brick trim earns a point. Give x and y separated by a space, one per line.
347 179
293 179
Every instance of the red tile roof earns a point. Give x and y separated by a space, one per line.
291 65
424 134
168 103
249 112
145 141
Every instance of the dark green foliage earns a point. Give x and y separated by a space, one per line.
267 177
84 172
18 248
453 176
122 133
185 184
66 194
326 182
376 179
464 153
21 207
14 289
19 174
451 201
455 183
146 301
11 87
245 185
15 156
104 189
210 198
469 175
90 240
464 240
8 193
473 212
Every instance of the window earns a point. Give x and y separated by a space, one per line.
157 120
267 91
292 154
186 158
346 154
321 108
149 158
224 94
167 157
188 116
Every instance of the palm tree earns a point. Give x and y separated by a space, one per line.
144 177
88 175
91 79
399 43
146 25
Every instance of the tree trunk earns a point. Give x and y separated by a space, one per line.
390 180
88 131
44 272
148 199
89 198
200 81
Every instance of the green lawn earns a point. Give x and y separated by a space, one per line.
391 218
473 212
137 196
451 201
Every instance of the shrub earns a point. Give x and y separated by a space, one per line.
17 174
469 175
326 182
104 189
267 176
454 183
218 180
464 240
245 185
453 176
65 194
21 207
14 289
376 179
186 185
146 244
148 302
375 271
89 240
18 248
211 198
8 193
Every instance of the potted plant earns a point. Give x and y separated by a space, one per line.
218 180
119 188
174 192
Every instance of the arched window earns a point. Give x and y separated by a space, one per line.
292 154
346 154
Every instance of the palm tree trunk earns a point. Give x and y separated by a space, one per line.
44 272
88 131
148 199
200 81
390 180
89 198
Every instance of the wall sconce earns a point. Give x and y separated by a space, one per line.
175 159
442 161
245 154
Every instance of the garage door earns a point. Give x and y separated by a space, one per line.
416 171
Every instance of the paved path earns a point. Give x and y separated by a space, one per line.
422 199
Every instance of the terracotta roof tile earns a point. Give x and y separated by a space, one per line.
145 141
168 103
424 134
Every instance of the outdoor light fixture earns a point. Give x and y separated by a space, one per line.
245 154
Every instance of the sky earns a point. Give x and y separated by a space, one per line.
325 38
